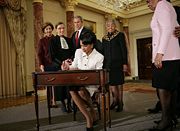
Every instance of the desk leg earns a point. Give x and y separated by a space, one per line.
108 108
48 102
104 109
36 108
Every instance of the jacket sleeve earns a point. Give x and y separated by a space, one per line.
40 52
53 50
123 49
164 18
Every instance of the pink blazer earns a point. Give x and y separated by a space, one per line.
163 24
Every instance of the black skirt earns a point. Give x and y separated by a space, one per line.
116 76
168 76
75 88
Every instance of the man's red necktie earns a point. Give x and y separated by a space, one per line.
76 38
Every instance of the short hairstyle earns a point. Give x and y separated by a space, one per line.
47 24
59 23
113 21
88 38
78 17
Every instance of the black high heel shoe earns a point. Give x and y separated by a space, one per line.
89 129
113 105
95 122
119 107
156 109
157 122
169 127
69 107
174 122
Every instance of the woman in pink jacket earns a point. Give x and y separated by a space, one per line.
165 58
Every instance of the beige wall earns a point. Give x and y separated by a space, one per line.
139 27
53 12
139 23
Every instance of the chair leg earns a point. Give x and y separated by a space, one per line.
74 111
99 105
99 110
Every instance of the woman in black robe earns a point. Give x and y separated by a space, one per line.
60 49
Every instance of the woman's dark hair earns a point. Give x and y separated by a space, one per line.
59 23
47 24
88 37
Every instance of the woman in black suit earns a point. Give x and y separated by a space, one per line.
60 49
115 60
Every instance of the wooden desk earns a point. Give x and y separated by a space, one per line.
74 78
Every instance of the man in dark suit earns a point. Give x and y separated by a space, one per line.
79 29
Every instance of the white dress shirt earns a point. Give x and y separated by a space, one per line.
84 62
91 62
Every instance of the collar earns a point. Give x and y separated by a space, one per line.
80 30
85 55
110 37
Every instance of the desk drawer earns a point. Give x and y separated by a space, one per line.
90 78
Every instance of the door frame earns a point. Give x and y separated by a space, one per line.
134 35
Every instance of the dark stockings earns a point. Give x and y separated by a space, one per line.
117 94
173 106
166 102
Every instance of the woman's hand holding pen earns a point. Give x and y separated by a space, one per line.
65 64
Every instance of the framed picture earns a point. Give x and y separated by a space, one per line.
90 25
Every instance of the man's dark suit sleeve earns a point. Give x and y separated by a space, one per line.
177 9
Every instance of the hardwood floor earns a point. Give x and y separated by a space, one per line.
16 101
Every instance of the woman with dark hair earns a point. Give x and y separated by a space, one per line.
157 107
45 63
60 49
43 46
165 59
86 58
